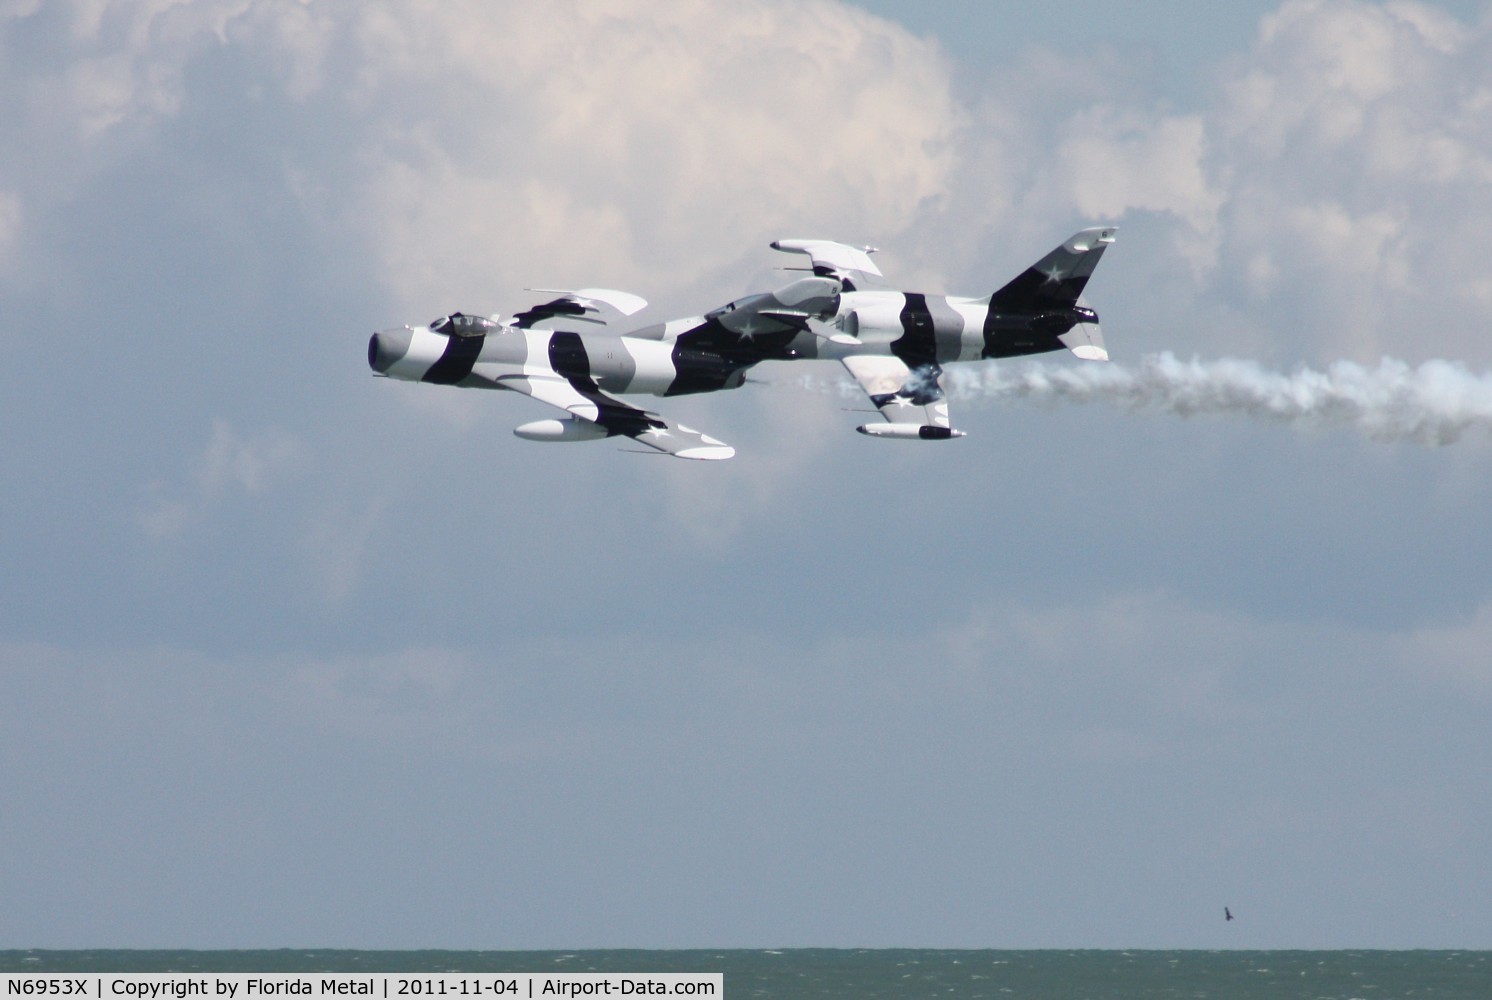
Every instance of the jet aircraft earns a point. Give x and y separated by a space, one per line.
563 351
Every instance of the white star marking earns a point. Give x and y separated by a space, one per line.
1054 275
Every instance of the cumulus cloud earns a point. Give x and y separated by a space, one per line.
1113 161
1354 160
1453 652
231 465
446 155
477 137
606 133
232 461
335 545
1322 200
10 228
126 60
1340 164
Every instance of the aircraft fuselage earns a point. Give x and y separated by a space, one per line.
709 353
617 364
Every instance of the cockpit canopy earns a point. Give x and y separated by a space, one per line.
461 325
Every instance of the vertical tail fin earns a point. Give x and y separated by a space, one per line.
1056 281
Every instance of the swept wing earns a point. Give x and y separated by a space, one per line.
595 414
911 400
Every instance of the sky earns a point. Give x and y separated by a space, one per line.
294 656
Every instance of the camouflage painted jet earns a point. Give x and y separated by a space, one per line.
893 344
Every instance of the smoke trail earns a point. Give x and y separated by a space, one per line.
1434 404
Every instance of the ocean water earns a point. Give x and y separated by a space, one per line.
890 973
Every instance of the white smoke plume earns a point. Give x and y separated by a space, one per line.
1433 404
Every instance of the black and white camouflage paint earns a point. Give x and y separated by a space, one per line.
893 343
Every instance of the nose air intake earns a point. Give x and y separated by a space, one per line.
387 347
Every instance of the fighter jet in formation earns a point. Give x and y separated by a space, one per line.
564 352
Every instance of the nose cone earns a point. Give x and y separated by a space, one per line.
387 347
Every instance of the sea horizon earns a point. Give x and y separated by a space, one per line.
891 973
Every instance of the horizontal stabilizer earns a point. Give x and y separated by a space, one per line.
1085 340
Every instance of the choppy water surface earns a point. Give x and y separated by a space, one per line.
891 973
